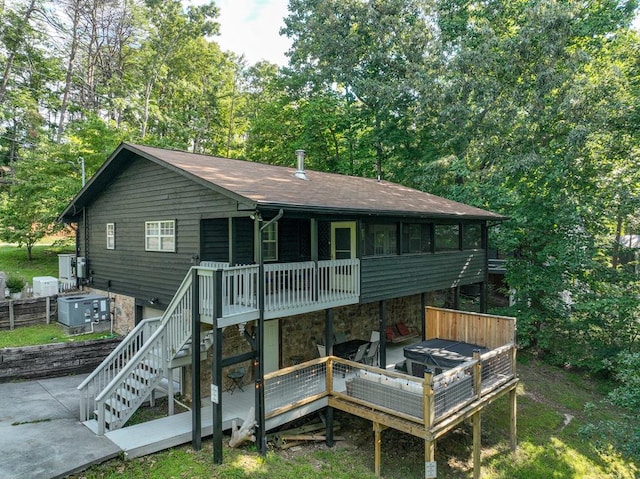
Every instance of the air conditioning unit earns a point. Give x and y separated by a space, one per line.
80 310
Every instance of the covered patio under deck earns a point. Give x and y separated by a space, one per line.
427 407
153 436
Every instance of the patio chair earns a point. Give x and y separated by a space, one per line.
340 337
372 353
375 336
236 376
359 356
322 350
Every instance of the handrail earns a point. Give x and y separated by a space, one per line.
126 373
141 352
176 320
121 346
113 363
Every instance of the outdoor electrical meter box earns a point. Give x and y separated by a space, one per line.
67 267
81 310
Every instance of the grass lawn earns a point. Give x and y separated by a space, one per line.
43 334
14 262
552 443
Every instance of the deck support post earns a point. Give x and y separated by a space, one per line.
513 422
196 409
484 297
329 431
377 430
382 321
477 446
429 415
328 331
456 297
216 369
429 455
423 316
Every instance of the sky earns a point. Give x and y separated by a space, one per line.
251 27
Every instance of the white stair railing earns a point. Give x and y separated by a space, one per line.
133 384
112 364
116 389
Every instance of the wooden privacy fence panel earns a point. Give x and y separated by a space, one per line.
474 328
26 312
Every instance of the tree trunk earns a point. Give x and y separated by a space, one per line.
616 245
72 55
12 55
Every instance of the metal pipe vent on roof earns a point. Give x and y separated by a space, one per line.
300 172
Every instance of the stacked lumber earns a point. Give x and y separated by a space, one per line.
301 435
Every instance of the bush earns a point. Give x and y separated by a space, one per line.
15 284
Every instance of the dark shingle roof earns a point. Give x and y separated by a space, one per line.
276 186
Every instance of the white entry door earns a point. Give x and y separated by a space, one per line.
343 246
271 346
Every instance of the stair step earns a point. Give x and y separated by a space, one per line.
125 396
143 375
109 419
115 406
134 386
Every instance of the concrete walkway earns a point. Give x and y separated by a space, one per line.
41 435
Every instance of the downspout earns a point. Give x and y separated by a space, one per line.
261 436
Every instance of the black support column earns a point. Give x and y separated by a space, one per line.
382 320
216 369
196 408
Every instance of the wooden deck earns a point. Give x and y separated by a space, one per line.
160 434
427 407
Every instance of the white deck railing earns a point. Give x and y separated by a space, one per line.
290 288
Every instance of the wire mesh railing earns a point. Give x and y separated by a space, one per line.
389 392
408 397
454 389
498 367
287 388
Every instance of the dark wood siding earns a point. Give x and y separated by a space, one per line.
143 192
215 240
294 240
397 276
243 241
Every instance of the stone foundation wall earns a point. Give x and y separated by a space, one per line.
123 310
300 334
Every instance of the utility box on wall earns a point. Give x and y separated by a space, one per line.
81 310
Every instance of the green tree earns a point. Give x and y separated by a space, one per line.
373 51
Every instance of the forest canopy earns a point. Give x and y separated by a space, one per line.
527 108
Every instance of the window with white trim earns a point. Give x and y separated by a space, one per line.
381 239
111 236
270 242
160 236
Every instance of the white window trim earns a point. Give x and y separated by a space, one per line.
159 236
272 228
111 235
